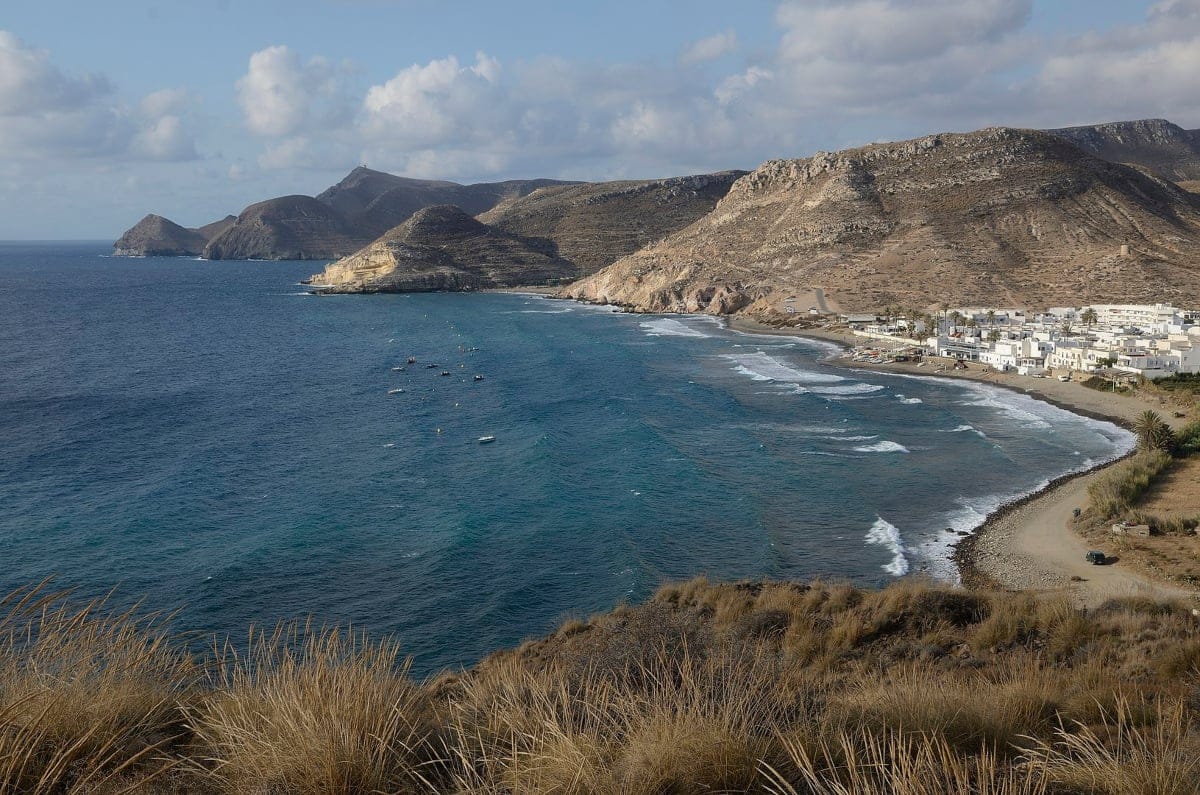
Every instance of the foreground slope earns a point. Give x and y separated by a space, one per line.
747 687
444 248
998 216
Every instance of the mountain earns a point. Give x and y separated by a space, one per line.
998 216
1155 144
594 224
155 236
338 221
444 248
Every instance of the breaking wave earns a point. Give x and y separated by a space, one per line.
885 534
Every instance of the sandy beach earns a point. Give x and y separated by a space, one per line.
1029 544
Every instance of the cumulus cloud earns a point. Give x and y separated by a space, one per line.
281 95
710 48
47 112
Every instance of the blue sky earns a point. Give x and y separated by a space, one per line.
195 109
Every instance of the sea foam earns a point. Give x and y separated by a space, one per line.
763 367
885 534
885 446
669 327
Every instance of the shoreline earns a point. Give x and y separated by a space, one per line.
1024 543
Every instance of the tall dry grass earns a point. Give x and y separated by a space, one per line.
86 693
1117 489
750 687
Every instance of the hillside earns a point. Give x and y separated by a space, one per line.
594 224
998 216
444 248
705 688
155 236
1154 144
338 221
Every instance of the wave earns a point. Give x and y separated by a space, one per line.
885 534
669 327
763 367
848 389
541 311
908 400
885 446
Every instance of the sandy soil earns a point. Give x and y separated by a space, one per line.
1030 545
1178 494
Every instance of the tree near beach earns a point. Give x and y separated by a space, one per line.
1153 433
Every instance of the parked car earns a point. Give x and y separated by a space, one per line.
1096 557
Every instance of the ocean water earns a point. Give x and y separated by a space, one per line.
204 436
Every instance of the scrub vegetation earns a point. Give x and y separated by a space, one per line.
749 687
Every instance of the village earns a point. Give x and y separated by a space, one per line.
1116 342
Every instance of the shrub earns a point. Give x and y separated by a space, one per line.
1115 490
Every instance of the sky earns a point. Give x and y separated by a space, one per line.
194 109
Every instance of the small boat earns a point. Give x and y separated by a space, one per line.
430 366
397 369
412 359
486 439
395 391
444 372
478 378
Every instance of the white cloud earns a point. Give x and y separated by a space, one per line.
45 112
710 48
30 83
281 95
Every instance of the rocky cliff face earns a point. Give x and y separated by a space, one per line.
155 236
998 216
444 248
1155 144
594 224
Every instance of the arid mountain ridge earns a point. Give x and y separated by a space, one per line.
998 216
1015 216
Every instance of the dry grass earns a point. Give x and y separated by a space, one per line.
1117 489
752 687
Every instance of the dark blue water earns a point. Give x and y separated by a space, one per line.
207 437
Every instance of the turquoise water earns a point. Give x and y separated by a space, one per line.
205 436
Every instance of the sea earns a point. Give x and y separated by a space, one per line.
208 438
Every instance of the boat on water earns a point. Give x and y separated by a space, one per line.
412 359
395 391
397 369
478 378
444 372
486 439
430 366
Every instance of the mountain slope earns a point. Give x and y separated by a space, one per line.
336 222
155 236
998 216
1155 144
444 248
594 224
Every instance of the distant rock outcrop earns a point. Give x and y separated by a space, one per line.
998 217
1155 144
336 222
444 248
155 236
595 224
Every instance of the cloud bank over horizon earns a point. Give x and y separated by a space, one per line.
829 75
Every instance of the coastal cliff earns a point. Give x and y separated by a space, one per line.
155 236
1000 216
444 248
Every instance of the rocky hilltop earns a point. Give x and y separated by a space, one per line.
997 216
1155 144
336 222
594 224
155 236
444 248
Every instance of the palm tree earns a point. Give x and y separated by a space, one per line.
1152 432
991 317
1088 316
